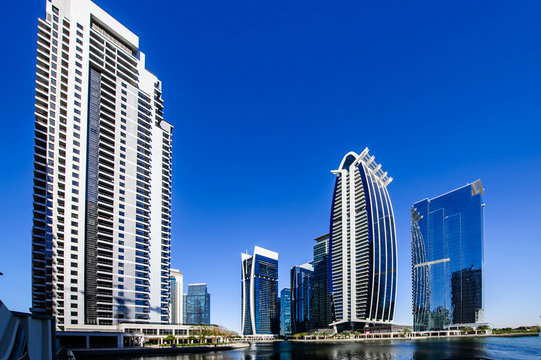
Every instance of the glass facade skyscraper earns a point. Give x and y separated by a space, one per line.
302 292
285 312
101 235
447 253
260 313
197 305
321 312
362 247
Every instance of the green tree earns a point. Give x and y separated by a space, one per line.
169 338
225 333
192 338
203 332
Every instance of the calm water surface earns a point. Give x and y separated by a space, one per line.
489 348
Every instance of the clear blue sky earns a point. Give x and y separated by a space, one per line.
266 98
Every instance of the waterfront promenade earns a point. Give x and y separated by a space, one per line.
401 336
389 335
153 350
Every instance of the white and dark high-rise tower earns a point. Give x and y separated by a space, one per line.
177 297
362 248
260 314
102 174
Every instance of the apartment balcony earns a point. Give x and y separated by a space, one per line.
124 71
104 287
104 310
103 281
97 44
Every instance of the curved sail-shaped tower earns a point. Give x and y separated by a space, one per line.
362 252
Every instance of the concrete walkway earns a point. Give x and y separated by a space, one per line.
148 350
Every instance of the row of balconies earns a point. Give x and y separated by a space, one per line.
144 102
144 121
130 80
126 70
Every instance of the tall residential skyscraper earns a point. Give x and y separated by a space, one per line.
285 312
177 297
447 253
302 297
260 293
321 314
102 174
197 305
363 245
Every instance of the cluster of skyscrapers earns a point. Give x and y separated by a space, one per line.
351 282
101 236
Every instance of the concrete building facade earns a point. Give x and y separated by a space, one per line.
102 174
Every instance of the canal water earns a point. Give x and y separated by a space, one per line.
517 348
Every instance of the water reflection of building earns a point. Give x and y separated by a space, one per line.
466 297
421 287
447 259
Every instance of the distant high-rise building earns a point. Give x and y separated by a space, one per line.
447 252
177 297
101 231
285 312
301 297
197 305
260 314
362 247
321 312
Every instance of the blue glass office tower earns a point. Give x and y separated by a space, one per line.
302 292
260 314
197 305
285 312
321 312
447 259
362 248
